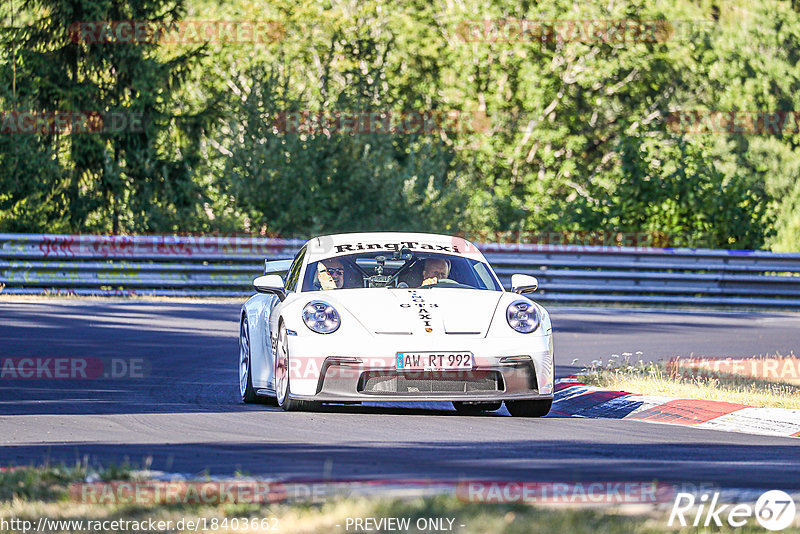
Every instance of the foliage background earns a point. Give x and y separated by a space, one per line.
578 139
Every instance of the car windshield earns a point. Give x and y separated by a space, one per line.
400 270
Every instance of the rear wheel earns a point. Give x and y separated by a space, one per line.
529 408
246 390
283 386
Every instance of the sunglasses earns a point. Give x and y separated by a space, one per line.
334 271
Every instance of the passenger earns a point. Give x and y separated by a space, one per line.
330 273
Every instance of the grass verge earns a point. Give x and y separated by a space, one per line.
654 378
28 494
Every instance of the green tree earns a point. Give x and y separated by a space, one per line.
316 182
671 186
122 179
577 135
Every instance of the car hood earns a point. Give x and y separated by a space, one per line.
445 311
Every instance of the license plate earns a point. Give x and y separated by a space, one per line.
413 361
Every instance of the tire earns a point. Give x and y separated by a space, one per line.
465 408
529 408
246 390
283 386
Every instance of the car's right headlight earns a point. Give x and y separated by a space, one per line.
523 316
321 317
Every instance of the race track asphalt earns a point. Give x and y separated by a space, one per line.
184 415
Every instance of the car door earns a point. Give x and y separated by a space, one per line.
274 312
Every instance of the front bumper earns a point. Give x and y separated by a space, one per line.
503 369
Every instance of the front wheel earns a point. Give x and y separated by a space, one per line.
283 386
529 408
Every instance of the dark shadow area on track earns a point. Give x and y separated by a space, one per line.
43 400
189 353
702 463
120 318
87 398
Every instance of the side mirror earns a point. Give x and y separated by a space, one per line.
279 267
271 284
523 283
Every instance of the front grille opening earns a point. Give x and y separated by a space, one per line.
427 382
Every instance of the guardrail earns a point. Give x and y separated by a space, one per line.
225 267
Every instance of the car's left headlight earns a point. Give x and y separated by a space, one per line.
523 316
321 317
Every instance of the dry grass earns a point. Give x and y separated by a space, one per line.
653 378
31 493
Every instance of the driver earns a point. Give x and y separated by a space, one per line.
435 269
330 273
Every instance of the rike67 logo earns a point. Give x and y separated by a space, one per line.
774 510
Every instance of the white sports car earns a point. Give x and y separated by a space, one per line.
394 317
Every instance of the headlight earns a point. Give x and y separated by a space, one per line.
321 317
523 316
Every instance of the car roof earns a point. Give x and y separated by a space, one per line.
342 244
